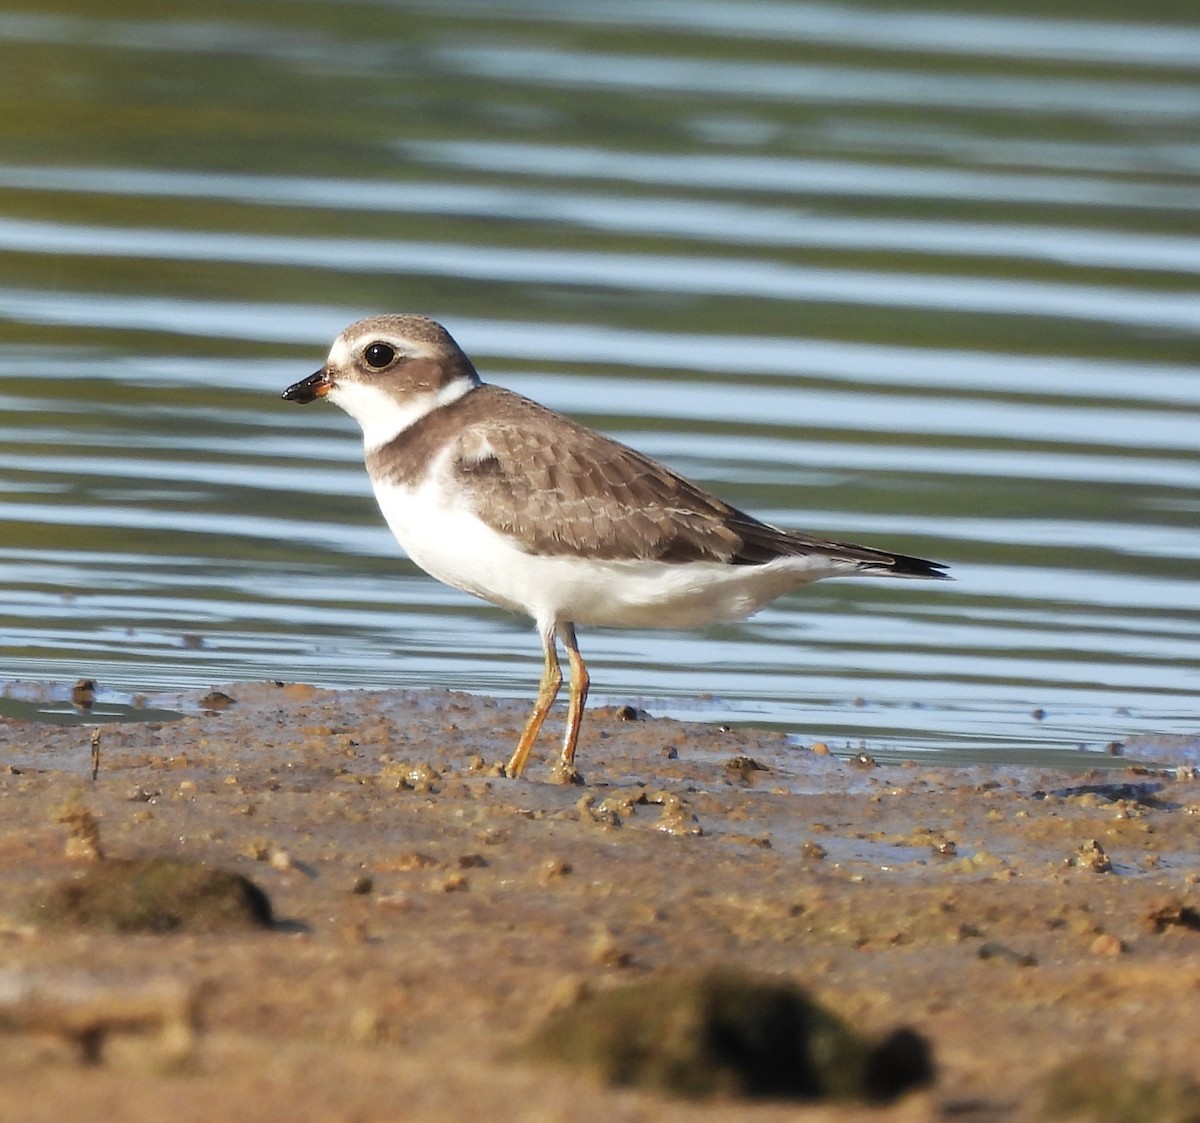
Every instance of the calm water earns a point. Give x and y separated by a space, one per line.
924 278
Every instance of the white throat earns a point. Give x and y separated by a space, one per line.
383 415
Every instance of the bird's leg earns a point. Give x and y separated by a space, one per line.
547 692
564 771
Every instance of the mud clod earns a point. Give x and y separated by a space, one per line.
152 895
420 777
677 817
608 951
216 700
1091 856
720 1033
1171 913
743 769
554 869
1002 952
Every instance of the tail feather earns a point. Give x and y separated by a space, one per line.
759 543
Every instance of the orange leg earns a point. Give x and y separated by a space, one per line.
577 699
547 692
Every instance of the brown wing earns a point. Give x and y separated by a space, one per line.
558 488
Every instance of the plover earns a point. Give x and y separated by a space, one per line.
503 498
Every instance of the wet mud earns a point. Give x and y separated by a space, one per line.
431 918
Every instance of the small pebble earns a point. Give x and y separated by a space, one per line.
1108 944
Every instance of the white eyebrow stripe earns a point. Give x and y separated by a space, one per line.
345 351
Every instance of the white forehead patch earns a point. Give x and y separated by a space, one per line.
339 353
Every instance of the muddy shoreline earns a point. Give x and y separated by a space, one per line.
430 914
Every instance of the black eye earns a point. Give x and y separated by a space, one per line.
379 355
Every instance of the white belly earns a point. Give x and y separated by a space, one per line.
448 542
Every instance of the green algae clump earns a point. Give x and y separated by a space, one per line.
726 1033
152 895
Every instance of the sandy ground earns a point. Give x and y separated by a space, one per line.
430 914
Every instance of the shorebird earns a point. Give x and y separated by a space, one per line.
496 495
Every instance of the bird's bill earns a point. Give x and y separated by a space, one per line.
309 389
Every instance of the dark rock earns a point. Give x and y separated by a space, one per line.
723 1033
153 895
